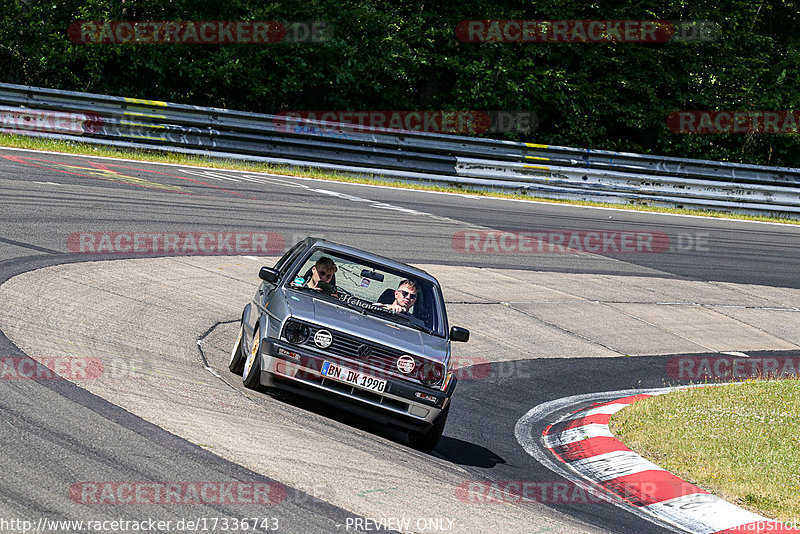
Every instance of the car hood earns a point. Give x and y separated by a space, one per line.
376 329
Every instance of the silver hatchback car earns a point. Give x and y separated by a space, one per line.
370 335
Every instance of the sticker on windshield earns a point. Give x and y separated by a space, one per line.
365 282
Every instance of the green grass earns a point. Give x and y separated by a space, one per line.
18 141
740 442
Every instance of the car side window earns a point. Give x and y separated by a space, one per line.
266 289
283 264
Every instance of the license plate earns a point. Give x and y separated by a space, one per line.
356 378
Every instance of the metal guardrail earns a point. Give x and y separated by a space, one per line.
547 171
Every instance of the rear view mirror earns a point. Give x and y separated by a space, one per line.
269 275
372 275
459 334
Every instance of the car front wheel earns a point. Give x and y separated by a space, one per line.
237 359
251 374
427 441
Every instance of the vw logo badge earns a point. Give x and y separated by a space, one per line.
364 351
323 339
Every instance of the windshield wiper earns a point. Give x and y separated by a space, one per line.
392 314
409 319
304 288
310 290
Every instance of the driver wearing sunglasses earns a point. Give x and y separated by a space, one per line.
404 297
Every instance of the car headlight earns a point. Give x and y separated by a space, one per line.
430 374
295 332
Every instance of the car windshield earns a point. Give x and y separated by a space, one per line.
369 288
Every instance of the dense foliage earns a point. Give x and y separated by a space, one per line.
402 54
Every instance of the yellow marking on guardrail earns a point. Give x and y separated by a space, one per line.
537 167
537 157
146 102
137 114
145 137
534 145
129 123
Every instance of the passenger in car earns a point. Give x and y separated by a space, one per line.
322 274
404 297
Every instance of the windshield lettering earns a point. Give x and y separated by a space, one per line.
355 301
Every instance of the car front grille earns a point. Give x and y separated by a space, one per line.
367 354
360 350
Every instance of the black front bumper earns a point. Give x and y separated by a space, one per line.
407 404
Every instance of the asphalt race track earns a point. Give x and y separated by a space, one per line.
606 303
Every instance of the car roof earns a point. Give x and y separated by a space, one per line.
393 264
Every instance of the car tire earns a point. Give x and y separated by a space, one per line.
237 359
426 441
251 368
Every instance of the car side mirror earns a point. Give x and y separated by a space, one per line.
269 275
459 334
